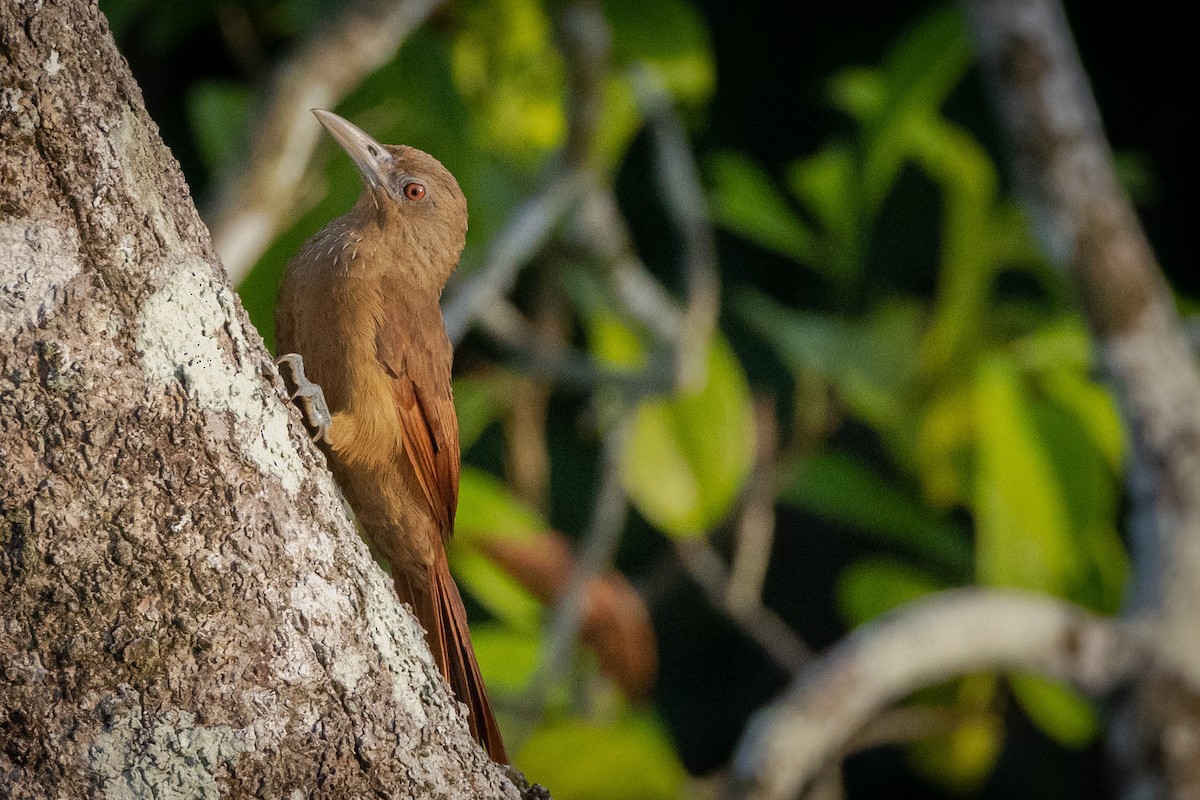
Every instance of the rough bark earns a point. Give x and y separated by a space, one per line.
187 611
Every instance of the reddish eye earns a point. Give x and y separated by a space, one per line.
414 191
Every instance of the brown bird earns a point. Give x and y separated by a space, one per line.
358 312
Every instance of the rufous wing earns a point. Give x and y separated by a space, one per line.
420 380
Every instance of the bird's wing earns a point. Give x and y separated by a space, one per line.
420 377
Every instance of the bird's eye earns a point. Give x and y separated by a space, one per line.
414 191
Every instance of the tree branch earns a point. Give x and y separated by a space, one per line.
1089 227
787 743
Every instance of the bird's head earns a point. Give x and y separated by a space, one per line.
414 199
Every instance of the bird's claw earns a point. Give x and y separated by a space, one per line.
306 396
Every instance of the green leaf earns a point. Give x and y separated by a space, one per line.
1090 489
614 343
1023 526
688 456
479 401
487 509
217 112
962 759
1057 709
918 74
868 360
859 92
873 587
1094 407
825 183
630 759
508 658
670 36
493 588
968 180
844 491
747 202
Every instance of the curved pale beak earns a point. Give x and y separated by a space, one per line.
371 158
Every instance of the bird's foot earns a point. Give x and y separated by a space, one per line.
306 395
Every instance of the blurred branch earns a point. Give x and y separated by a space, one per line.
705 566
561 364
687 206
787 743
585 41
253 202
905 724
601 229
1065 168
525 233
599 546
755 532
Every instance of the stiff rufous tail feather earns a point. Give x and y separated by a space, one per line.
439 609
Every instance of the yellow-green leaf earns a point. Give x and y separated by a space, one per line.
1060 711
1023 531
873 587
487 509
507 658
630 759
687 456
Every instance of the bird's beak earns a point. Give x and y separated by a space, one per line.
370 156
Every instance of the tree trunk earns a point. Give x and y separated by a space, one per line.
187 611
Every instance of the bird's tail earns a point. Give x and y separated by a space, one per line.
439 608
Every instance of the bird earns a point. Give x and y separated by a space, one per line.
368 363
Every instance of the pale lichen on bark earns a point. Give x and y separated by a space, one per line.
189 331
188 611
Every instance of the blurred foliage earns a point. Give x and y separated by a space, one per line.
994 455
983 401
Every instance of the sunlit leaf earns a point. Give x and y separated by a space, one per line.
687 456
1057 344
507 67
488 510
614 343
825 184
1023 528
1094 407
918 74
946 440
845 491
1090 490
967 179
669 35
493 588
631 759
1057 709
870 588
859 91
